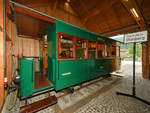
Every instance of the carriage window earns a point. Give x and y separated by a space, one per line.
81 49
113 51
65 47
92 49
107 50
100 50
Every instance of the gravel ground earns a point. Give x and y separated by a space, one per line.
127 67
109 102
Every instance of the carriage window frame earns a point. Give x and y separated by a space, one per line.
107 50
59 35
106 53
103 50
85 52
90 50
115 47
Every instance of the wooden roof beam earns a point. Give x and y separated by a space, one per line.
117 17
53 9
136 12
105 20
116 31
98 9
95 22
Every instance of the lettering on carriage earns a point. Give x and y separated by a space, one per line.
101 67
100 39
69 73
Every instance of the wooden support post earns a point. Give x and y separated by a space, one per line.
1 54
145 60
8 43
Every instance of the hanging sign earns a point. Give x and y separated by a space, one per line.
136 37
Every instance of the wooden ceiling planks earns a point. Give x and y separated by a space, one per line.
99 7
113 13
30 27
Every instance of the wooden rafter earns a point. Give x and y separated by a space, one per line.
116 16
99 26
67 10
77 14
98 9
140 2
105 20
53 9
95 22
83 5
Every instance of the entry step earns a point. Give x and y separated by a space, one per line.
39 105
118 74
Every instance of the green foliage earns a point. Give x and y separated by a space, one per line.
123 55
129 47
130 50
138 50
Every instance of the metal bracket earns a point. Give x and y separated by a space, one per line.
11 17
144 43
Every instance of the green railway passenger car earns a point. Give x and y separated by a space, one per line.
73 56
68 55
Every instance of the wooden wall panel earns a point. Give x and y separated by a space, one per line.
23 46
1 55
146 59
8 61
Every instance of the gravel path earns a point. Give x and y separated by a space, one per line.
109 102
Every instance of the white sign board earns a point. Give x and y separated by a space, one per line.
136 37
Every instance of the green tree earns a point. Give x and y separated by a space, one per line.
130 50
138 50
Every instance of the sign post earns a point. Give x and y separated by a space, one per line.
134 38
